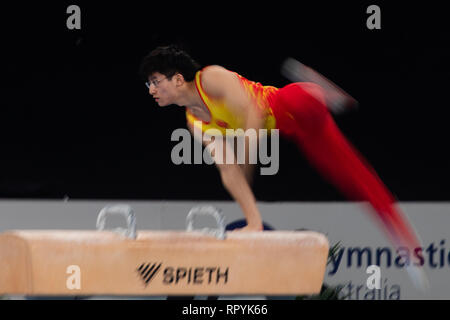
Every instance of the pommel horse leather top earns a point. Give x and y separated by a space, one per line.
68 262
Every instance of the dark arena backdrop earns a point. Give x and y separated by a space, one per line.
77 121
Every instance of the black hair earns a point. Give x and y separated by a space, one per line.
169 60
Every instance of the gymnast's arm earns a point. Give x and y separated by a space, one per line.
234 181
254 120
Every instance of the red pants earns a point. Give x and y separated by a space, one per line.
301 113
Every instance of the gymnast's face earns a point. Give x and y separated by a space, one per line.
165 91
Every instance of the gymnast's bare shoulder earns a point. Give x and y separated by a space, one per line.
216 80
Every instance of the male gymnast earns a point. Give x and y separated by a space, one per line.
215 97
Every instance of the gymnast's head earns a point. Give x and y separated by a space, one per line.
167 71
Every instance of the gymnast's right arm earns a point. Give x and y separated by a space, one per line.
234 181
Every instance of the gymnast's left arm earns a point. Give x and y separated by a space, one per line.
254 120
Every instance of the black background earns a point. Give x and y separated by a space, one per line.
77 121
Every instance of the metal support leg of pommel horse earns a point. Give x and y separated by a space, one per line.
192 262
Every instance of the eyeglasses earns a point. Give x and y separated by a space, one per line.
154 82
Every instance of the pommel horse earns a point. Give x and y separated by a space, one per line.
191 262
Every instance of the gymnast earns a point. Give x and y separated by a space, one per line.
215 97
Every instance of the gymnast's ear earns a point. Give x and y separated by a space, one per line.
179 79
